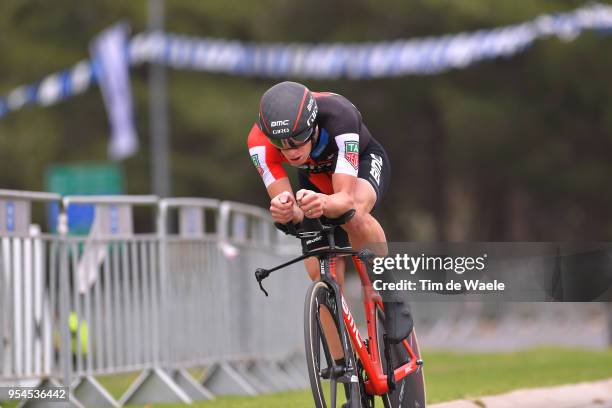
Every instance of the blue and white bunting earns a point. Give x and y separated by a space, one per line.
424 56
111 70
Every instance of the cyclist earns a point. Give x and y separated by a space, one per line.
340 166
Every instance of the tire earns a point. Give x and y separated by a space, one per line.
409 391
318 357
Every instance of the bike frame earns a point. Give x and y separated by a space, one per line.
376 384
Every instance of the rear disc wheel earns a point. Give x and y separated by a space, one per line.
409 391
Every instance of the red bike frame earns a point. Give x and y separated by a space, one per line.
376 384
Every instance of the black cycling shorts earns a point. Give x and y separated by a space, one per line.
374 167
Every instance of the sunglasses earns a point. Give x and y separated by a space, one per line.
294 142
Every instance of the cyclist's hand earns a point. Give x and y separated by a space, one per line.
281 207
310 202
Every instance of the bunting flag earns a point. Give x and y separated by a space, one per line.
424 56
111 68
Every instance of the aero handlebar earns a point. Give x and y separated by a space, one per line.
320 226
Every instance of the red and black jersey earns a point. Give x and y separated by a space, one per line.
342 138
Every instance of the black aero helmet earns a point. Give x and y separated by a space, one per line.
287 114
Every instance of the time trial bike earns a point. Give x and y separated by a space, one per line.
373 366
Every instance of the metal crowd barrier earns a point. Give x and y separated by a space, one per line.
113 304
28 310
262 357
195 286
117 300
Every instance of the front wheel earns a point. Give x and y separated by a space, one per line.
331 386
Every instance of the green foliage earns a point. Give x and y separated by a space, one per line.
504 150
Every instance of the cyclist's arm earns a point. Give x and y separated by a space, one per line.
344 180
279 186
342 200
267 160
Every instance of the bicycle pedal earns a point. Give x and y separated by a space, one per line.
336 371
347 378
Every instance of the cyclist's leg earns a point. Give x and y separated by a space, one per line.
363 228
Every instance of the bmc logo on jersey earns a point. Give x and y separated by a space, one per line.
351 153
256 163
376 169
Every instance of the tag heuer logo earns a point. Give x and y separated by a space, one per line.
257 165
351 153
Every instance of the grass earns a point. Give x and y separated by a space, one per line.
448 376
117 385
452 376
